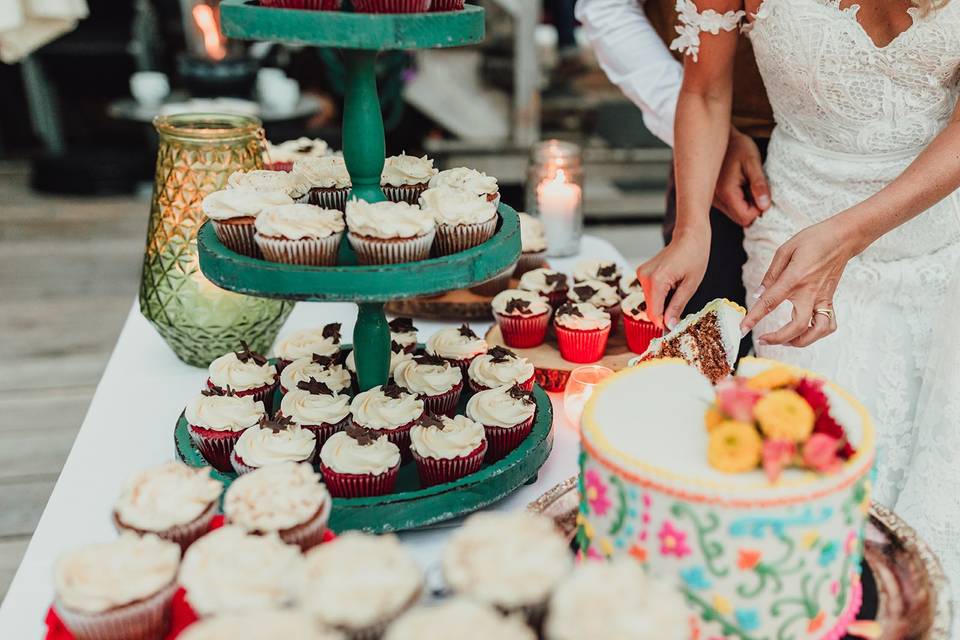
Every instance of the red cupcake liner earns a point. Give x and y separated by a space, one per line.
141 620
237 237
433 471
527 385
329 197
530 260
215 446
315 252
359 485
581 346
464 365
181 534
408 192
239 466
444 403
639 333
311 5
523 332
262 394
286 167
502 440
399 436
454 238
391 251
447 5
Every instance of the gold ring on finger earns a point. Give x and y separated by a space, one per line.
824 311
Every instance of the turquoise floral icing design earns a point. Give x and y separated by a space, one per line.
696 578
712 550
828 553
755 527
748 619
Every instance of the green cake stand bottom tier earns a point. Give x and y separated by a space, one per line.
412 506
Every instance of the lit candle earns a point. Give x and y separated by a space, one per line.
558 202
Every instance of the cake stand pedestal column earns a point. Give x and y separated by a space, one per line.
371 345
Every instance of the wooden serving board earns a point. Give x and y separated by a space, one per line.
552 370
461 304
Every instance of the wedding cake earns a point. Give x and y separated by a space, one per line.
751 495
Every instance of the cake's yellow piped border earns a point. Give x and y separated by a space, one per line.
601 448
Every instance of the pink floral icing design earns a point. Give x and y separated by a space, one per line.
673 541
849 616
851 543
597 493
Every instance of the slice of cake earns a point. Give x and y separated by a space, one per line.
708 339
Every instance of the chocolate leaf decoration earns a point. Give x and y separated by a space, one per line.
332 331
517 393
324 361
635 283
315 387
393 390
607 270
500 354
395 346
466 331
569 309
429 359
641 307
556 279
584 292
246 354
402 325
430 420
362 435
208 392
518 304
277 424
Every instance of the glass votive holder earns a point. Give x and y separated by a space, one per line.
580 386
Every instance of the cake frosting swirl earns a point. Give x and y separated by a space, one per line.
458 436
224 413
500 407
403 333
344 454
543 280
635 306
275 498
519 302
427 375
323 341
582 317
471 181
328 172
453 207
230 371
533 239
262 446
499 367
334 376
292 150
387 219
403 170
594 292
166 496
375 409
630 284
456 343
297 221
291 183
242 203
604 270
314 409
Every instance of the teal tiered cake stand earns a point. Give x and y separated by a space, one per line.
360 37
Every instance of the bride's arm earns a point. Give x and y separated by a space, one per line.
708 34
808 267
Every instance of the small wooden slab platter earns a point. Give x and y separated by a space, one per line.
552 370
461 304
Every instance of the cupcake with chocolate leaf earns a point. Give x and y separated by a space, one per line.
389 232
273 441
507 415
463 219
322 341
329 181
234 212
292 184
447 448
476 183
216 422
287 499
629 284
171 500
357 463
299 234
435 381
314 406
605 271
397 355
282 156
599 294
388 410
403 333
405 177
523 317
637 327
548 283
457 346
325 369
118 589
582 332
533 245
499 367
245 373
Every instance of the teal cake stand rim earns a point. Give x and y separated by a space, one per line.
247 20
423 507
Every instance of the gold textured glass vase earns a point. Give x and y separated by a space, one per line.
199 321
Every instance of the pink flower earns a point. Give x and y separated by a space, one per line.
811 390
673 542
850 545
735 400
820 453
777 454
597 493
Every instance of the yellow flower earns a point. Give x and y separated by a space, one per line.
785 415
606 547
734 447
774 378
809 539
712 418
722 605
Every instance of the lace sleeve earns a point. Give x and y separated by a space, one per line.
692 22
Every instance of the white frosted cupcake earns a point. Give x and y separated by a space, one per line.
280 157
614 600
291 184
405 177
474 182
548 283
388 410
458 346
260 625
523 317
299 234
272 442
287 499
582 332
512 561
605 271
389 232
234 213
356 463
507 414
322 341
463 220
447 449
171 500
118 589
435 381
458 618
533 244
630 284
229 571
316 367
243 373
316 407
499 367
637 327
215 423
359 583
328 179
403 333
599 294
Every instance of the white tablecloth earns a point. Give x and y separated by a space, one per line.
129 426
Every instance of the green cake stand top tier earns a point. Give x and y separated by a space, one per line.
347 30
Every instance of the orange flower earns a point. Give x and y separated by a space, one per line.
734 447
816 623
748 559
639 553
773 378
712 418
785 415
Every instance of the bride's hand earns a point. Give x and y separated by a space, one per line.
805 271
679 267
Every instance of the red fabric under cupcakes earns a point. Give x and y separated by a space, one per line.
312 5
181 534
329 197
523 332
409 192
399 436
447 5
444 403
141 620
215 446
237 236
503 440
359 485
639 333
263 394
581 346
434 471
527 385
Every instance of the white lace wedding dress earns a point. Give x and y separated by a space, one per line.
850 117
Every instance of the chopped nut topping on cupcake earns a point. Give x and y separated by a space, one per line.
404 170
291 184
474 182
329 172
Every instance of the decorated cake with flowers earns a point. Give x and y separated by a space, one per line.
753 494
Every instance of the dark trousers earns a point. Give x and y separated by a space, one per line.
724 277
